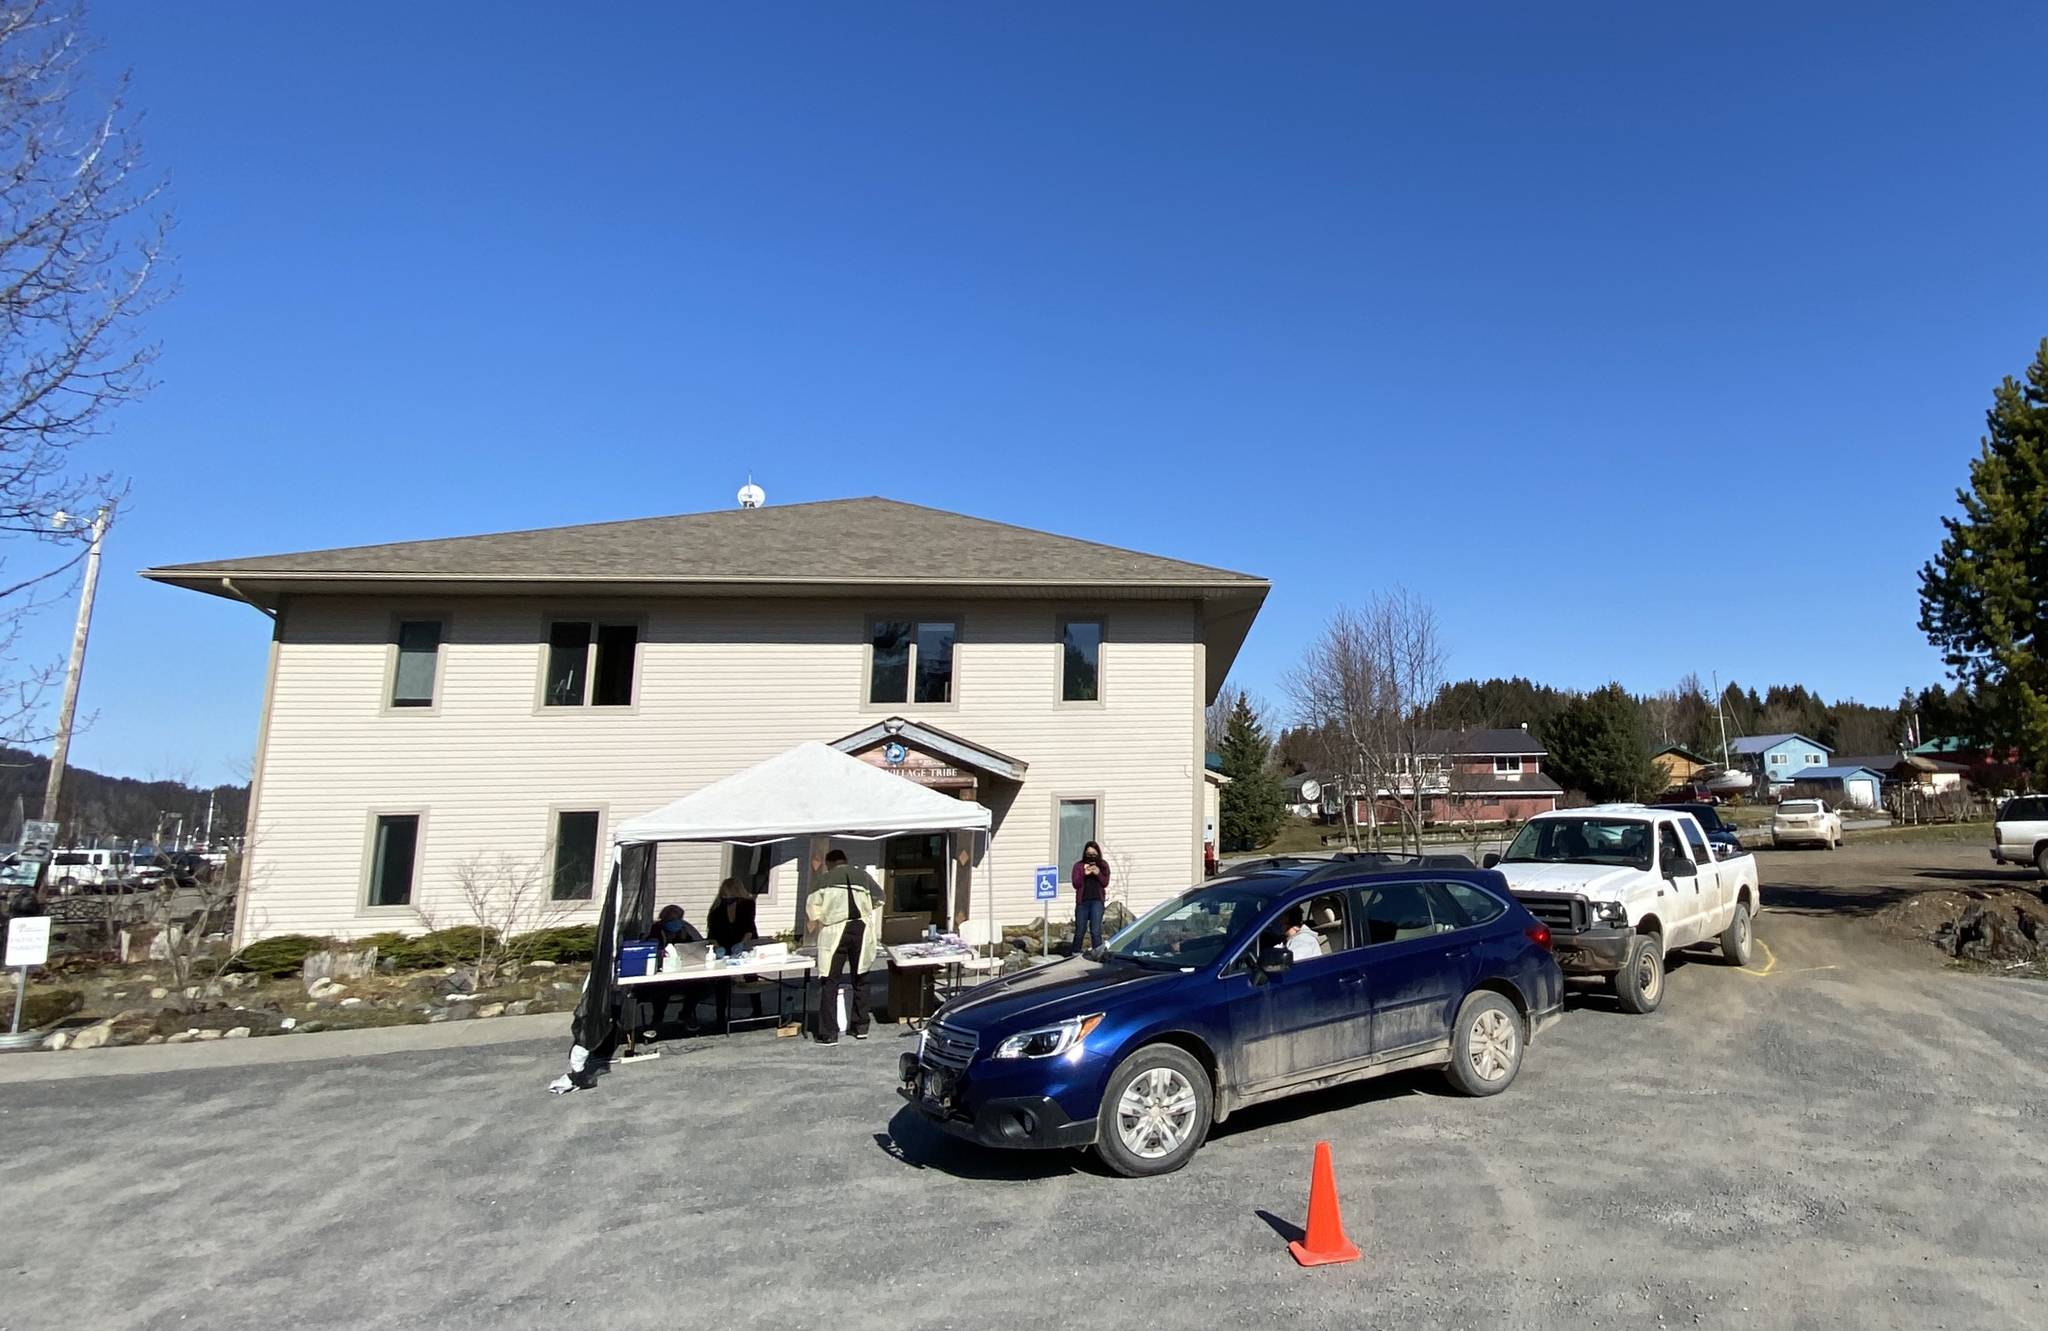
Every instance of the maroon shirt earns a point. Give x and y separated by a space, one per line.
1091 889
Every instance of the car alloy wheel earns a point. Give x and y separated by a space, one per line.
1493 1045
1155 1113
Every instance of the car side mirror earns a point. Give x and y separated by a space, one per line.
1275 959
1489 859
1681 868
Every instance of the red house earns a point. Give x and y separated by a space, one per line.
1470 776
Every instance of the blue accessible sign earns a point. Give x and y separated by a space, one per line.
1046 881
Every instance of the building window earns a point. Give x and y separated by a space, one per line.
1777 760
575 854
394 850
590 664
1080 660
911 661
1076 830
1813 760
419 651
1505 766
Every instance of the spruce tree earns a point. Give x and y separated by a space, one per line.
1984 597
1598 748
1252 805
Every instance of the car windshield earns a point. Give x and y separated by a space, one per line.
1191 930
1582 841
1798 808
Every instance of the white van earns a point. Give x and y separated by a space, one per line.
73 871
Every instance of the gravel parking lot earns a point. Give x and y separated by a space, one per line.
1843 1134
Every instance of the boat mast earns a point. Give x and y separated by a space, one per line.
1722 717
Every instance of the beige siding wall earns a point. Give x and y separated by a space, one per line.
722 684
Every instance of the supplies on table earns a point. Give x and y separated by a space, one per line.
770 952
686 956
637 958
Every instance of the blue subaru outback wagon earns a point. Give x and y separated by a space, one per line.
1248 988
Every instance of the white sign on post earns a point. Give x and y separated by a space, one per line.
28 941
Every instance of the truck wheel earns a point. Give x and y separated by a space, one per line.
1739 938
1155 1112
1639 984
1486 1045
2041 861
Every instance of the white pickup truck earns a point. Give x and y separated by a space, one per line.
1620 885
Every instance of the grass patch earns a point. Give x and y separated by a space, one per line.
1938 832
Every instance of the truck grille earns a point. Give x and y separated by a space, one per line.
1564 913
949 1048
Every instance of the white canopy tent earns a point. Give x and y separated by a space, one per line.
813 790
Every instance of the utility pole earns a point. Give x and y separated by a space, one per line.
68 709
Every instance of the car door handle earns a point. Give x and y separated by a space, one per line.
1352 981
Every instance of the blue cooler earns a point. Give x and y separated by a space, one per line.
637 958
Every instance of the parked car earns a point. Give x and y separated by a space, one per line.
1806 823
83 871
1622 885
1721 835
1200 1008
2020 835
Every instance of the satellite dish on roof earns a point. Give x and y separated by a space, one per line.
752 495
1311 790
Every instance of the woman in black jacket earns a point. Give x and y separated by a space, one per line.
730 925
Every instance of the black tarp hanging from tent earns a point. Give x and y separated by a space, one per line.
628 912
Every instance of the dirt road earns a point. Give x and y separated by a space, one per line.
1844 1134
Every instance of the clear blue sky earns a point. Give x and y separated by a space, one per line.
1526 307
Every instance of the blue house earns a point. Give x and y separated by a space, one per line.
1859 785
1777 757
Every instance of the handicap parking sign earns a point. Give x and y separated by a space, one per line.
1047 882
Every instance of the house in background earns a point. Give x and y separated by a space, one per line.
1315 796
1860 786
1468 776
1680 764
1934 776
1775 758
437 705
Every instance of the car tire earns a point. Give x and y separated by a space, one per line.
1146 1126
2041 861
1486 1044
1639 984
1738 940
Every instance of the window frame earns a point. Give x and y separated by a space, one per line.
598 858
596 620
1101 817
399 618
1059 661
1501 765
365 904
915 618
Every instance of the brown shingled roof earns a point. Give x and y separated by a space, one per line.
870 540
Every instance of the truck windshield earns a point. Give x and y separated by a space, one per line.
1190 930
1582 841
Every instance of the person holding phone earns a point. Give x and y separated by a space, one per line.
1091 893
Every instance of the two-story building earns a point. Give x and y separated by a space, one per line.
514 696
1777 758
1468 776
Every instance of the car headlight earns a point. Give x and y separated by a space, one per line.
1050 1041
1610 912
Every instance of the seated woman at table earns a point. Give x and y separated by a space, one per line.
671 927
731 926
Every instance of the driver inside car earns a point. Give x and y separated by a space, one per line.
1297 937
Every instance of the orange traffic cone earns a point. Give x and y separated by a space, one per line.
1324 1244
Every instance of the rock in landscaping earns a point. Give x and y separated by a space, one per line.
235 1033
159 993
491 1010
540 965
1016 961
351 1002
130 1027
58 1040
320 986
288 1023
154 1039
563 987
45 1006
206 1035
1986 933
457 982
181 1037
339 964
520 1008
